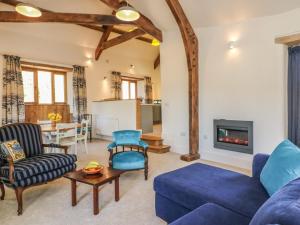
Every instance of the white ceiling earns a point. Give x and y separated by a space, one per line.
203 13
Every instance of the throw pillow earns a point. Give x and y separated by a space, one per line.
12 149
282 167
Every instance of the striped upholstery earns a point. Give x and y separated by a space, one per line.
38 165
44 177
28 135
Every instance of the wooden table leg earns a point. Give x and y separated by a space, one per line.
96 200
73 192
117 190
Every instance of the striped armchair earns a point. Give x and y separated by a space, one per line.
38 167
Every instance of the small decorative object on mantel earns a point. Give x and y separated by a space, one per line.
54 117
93 168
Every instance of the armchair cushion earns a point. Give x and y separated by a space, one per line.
127 137
128 161
38 165
44 177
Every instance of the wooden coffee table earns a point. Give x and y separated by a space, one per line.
108 176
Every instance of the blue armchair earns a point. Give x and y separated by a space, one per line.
135 159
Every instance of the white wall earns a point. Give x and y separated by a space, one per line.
67 45
248 83
174 92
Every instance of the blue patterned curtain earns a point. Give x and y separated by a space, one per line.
13 93
79 93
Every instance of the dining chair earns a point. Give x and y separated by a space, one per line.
88 117
48 137
83 134
66 135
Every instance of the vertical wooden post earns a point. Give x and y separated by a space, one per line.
191 49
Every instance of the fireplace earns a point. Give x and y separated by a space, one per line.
234 135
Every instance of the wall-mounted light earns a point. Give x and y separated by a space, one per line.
232 45
105 78
89 62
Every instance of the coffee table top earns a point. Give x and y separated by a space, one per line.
108 175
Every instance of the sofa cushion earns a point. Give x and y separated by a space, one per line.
44 177
212 214
38 164
282 208
197 184
282 167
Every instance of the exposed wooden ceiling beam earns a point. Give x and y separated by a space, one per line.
89 26
190 41
143 22
103 39
157 61
293 39
123 38
15 3
74 18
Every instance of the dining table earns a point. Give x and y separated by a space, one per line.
49 128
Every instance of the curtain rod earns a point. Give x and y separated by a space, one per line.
25 60
131 75
42 65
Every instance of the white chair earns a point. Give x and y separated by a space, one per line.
83 135
48 137
66 135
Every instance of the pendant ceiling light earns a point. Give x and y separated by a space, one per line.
28 10
127 13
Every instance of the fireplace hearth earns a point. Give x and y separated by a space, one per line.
234 135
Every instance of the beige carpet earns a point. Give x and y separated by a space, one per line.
51 204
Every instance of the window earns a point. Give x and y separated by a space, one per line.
28 84
59 87
44 86
129 89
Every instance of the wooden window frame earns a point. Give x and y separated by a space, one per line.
36 91
130 81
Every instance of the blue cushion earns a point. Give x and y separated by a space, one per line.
128 161
197 184
282 208
212 214
282 167
127 137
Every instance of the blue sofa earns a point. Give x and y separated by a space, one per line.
205 195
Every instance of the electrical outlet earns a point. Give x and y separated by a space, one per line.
182 134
